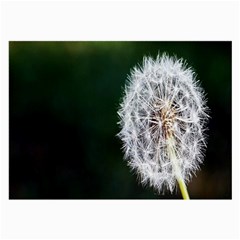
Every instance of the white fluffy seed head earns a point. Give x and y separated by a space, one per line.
163 101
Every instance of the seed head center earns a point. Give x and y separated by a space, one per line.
167 116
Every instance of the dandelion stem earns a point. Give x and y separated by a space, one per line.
183 189
176 168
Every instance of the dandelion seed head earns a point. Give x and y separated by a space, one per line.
163 100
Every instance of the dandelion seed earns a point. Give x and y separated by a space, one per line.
163 117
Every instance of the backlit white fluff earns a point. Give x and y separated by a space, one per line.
163 101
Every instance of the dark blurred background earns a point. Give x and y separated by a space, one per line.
63 102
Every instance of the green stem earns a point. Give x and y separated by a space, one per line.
183 189
176 168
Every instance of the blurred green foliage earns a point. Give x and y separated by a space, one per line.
64 98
